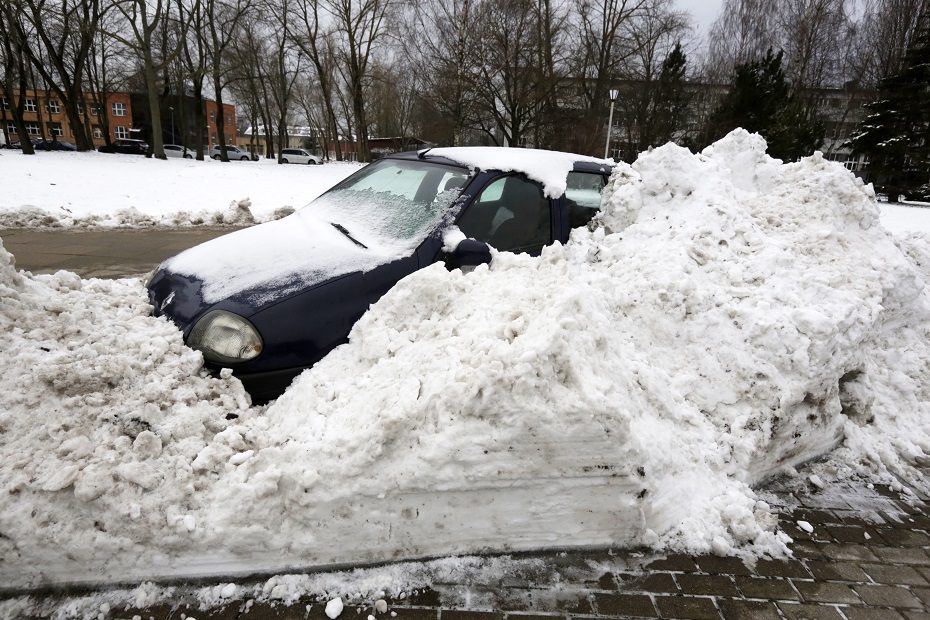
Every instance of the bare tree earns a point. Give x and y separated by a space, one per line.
317 44
64 33
743 32
393 96
442 55
222 20
194 59
652 36
14 66
106 70
148 22
283 66
361 26
603 50
510 84
886 30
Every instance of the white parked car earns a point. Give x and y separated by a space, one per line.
234 153
176 150
299 156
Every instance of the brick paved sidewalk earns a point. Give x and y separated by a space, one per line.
868 556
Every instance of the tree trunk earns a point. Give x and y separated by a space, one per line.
25 142
157 147
361 123
220 119
199 120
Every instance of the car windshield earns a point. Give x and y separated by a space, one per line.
391 201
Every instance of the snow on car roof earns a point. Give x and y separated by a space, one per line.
550 168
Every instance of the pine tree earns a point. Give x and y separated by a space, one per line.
895 136
760 100
670 99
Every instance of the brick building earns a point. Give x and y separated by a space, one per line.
45 117
127 116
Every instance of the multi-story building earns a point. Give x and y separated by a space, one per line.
125 115
45 117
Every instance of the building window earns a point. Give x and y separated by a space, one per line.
6 104
95 110
119 109
53 106
55 129
32 129
121 132
11 128
98 133
213 117
30 105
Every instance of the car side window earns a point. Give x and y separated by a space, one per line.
583 197
511 214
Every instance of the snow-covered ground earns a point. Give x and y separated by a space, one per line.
100 189
906 219
727 318
97 189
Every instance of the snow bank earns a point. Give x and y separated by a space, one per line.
89 190
726 317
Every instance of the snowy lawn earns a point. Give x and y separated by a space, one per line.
727 318
101 189
905 219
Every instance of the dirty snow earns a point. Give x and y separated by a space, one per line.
104 190
726 318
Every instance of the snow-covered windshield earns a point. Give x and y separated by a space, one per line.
397 200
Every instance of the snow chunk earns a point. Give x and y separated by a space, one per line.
334 608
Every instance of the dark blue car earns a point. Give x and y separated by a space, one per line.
271 300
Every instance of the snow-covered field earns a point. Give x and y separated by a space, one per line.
901 219
100 189
729 317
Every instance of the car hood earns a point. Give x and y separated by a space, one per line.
263 263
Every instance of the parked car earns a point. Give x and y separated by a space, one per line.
271 300
299 156
233 153
126 146
176 150
17 145
54 145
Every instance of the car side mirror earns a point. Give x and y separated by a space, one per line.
468 253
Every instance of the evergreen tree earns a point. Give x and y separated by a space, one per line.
670 99
895 136
760 100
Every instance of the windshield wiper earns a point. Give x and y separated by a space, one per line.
345 232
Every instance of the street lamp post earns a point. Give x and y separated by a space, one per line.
610 121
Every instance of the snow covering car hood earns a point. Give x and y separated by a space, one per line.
253 267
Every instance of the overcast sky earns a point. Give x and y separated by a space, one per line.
704 12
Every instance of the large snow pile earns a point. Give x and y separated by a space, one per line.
728 316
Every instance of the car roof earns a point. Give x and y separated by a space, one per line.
579 166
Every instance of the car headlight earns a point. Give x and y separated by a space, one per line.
225 337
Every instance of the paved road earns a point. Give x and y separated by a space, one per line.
100 253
